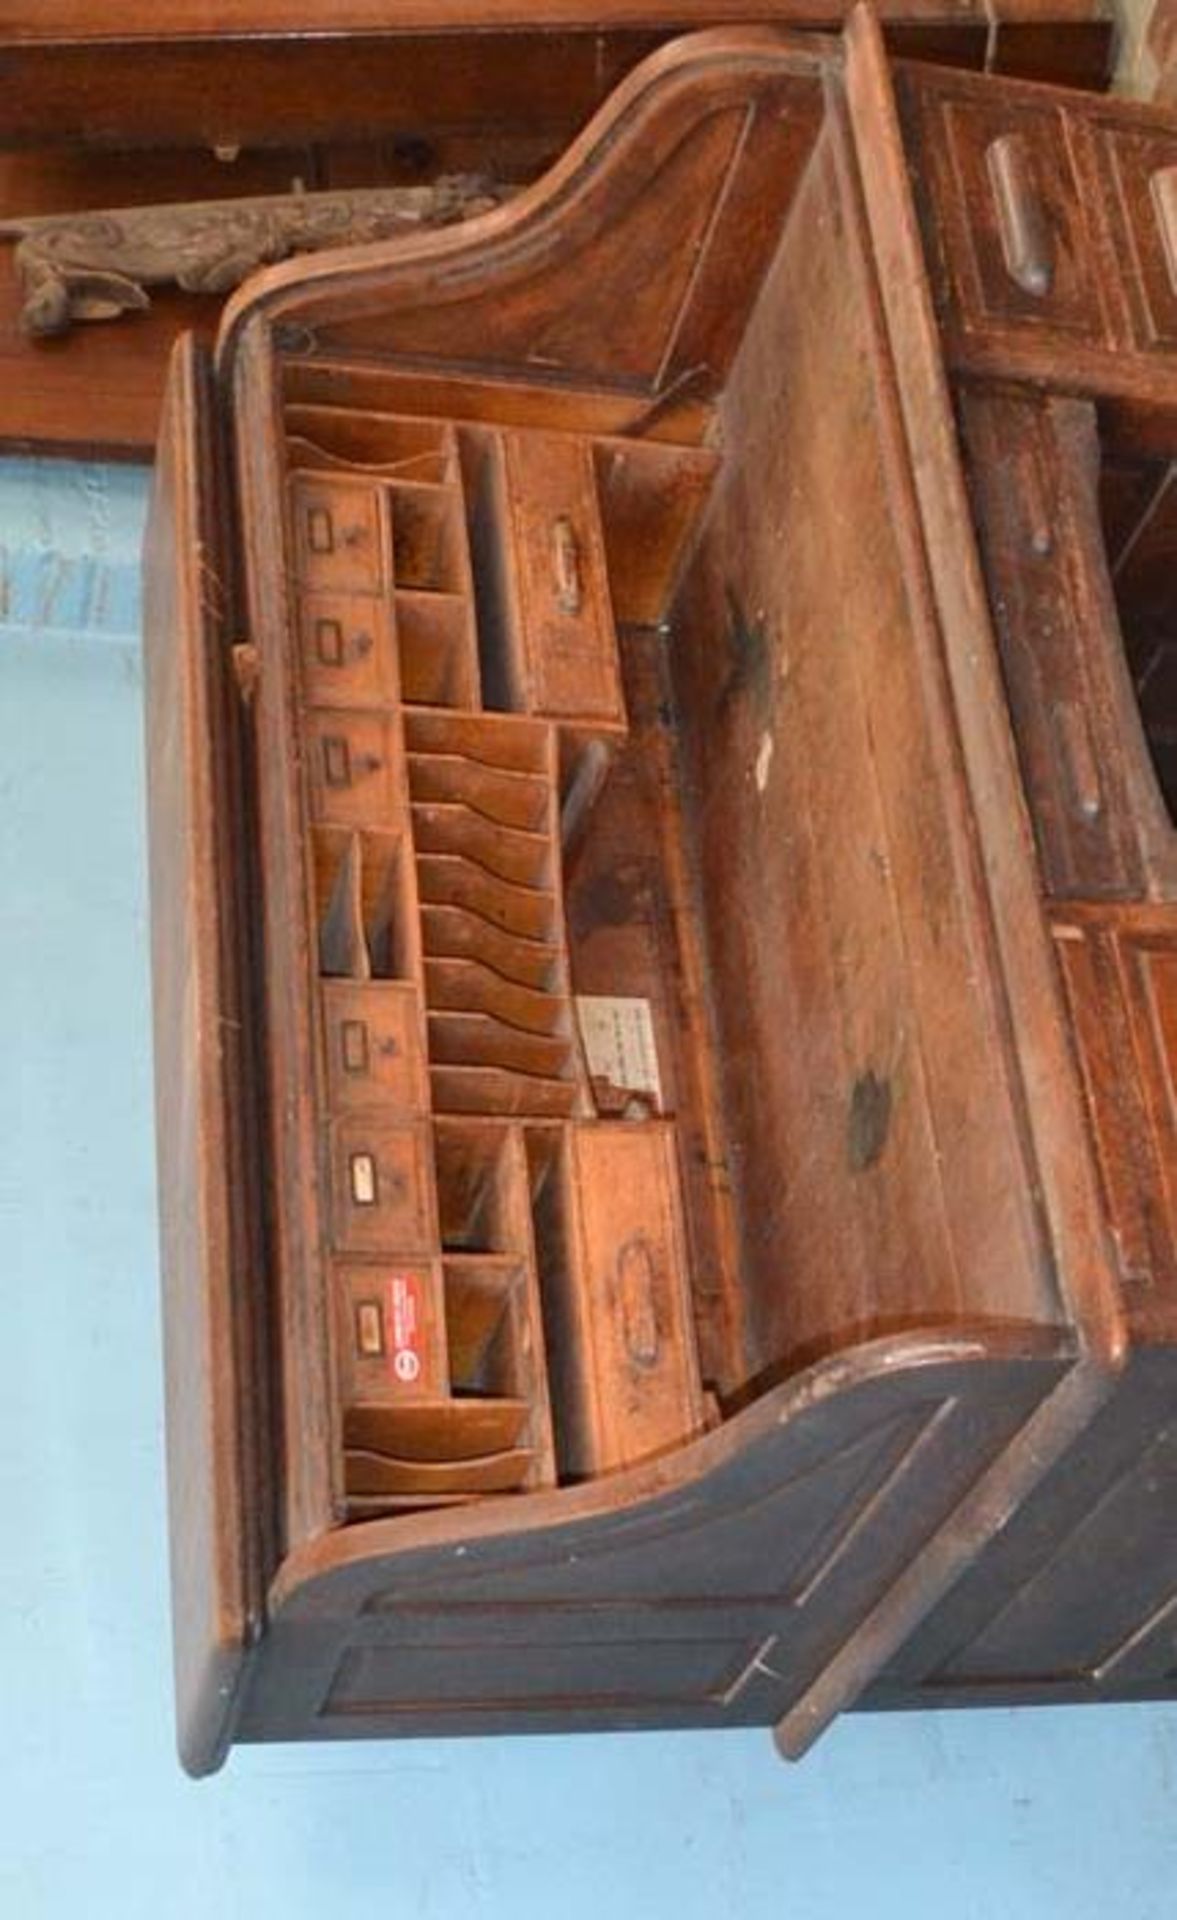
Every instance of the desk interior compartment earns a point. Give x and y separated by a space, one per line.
364 905
481 1425
611 1251
387 446
549 645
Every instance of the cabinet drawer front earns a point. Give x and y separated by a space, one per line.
1140 167
563 597
352 770
390 1323
347 649
339 534
381 1188
1119 970
633 1387
372 1036
1005 211
1098 815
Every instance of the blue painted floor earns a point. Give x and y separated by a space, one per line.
980 1817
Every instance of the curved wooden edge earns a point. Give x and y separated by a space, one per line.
478 253
676 1475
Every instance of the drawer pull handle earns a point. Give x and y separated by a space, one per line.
362 1172
566 580
1025 231
636 1297
320 530
336 761
370 1329
329 634
355 1046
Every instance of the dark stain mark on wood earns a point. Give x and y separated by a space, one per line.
748 659
612 899
869 1121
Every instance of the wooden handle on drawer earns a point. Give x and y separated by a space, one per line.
1025 230
636 1294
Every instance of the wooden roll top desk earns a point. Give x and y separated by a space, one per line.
661 730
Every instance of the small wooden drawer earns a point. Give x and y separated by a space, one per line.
1097 813
375 1058
612 1256
381 1187
1140 166
353 769
390 1328
1119 968
1005 213
340 533
348 651
556 622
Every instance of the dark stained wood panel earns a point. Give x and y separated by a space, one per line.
1099 817
1077 1600
734 1595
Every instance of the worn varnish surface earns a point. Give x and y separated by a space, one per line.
736 666
799 679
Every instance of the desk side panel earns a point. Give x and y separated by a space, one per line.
708 1589
199 1071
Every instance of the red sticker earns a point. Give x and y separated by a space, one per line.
405 1320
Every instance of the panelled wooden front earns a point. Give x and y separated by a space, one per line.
1140 167
1098 815
1077 1598
1009 223
1050 225
715 1609
1119 965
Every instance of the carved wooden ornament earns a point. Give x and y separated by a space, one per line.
99 265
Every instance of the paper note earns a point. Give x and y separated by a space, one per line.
617 1033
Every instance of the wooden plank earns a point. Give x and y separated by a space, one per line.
53 20
208 1184
1068 1185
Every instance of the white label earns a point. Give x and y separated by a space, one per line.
617 1034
